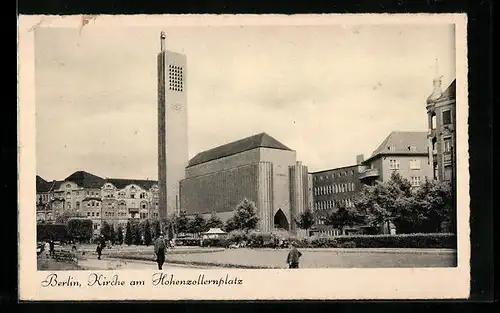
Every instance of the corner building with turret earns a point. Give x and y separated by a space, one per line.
441 133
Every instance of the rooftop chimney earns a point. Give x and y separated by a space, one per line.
359 159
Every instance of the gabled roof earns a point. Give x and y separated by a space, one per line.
399 143
86 180
122 183
449 93
261 140
45 186
42 185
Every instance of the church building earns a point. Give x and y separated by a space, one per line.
258 168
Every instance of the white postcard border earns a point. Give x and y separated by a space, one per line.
396 283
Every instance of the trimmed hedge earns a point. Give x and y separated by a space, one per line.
187 242
216 242
280 240
57 232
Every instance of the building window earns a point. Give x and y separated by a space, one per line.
447 173
394 164
447 117
391 148
97 214
88 213
414 164
447 144
415 181
412 148
132 195
93 213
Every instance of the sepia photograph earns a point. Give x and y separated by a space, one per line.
244 146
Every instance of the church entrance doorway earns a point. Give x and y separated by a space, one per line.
280 220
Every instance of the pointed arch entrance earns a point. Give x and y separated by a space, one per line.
280 220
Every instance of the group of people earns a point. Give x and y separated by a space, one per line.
48 248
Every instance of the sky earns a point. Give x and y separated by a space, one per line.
330 92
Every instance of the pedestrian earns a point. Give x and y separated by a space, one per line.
101 243
52 249
160 250
293 256
46 249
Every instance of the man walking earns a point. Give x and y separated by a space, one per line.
52 249
101 244
293 256
160 249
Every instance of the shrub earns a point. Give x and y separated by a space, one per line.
215 242
439 240
273 240
348 244
237 236
187 242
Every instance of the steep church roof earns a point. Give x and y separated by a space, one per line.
261 140
86 180
402 143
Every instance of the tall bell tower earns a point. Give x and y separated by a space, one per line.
172 127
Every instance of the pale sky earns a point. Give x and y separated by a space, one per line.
328 92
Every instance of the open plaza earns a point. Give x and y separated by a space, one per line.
142 257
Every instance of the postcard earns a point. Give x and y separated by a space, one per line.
243 157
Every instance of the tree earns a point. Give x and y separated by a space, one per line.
65 216
112 235
245 216
435 201
213 221
197 224
230 225
119 235
306 220
80 229
147 233
181 222
342 216
106 230
156 227
388 202
128 234
137 235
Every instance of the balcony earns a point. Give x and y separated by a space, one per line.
369 173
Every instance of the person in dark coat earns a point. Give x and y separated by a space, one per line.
160 250
52 249
293 256
101 244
